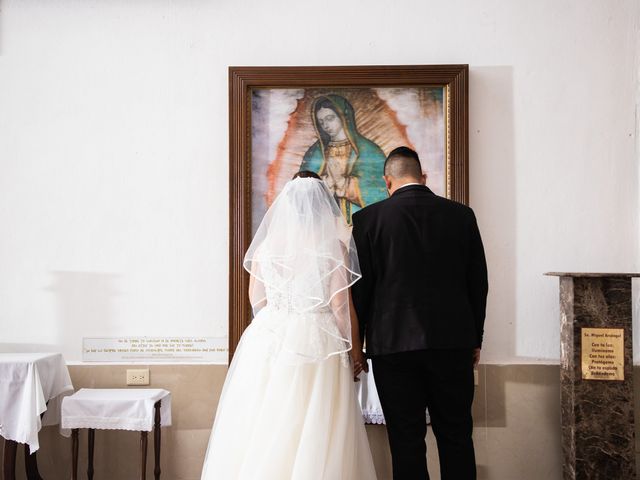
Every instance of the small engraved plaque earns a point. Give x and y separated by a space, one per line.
602 353
156 349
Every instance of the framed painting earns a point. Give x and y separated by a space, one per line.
340 122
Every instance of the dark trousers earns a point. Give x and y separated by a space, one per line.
441 380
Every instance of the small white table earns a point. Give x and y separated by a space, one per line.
32 386
134 409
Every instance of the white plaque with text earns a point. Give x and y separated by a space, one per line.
156 349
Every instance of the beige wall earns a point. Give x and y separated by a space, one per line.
516 413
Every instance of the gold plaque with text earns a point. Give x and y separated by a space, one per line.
602 353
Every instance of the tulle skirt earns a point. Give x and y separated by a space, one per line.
280 418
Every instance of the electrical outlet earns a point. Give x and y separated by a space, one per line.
476 380
138 377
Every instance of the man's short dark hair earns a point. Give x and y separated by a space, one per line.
403 162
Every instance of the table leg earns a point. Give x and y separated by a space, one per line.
92 436
156 440
9 460
31 464
143 455
74 454
31 460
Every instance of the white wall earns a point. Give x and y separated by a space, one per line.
113 150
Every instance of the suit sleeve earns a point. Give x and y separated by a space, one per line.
477 282
362 290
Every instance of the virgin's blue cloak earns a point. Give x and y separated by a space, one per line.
366 162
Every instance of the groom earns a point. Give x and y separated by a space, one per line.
421 303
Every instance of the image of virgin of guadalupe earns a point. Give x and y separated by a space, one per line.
350 164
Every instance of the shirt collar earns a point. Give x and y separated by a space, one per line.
409 186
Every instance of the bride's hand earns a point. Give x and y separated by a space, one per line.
359 363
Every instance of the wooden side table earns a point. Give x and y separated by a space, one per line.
157 440
31 386
142 410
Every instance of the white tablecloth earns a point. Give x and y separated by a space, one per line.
368 397
369 400
116 408
27 382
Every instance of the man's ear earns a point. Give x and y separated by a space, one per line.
424 178
387 181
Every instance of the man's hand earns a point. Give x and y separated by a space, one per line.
476 357
359 363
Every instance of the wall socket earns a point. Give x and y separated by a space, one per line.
138 376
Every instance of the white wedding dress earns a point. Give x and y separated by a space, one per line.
288 408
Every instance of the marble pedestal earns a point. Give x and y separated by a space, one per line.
597 412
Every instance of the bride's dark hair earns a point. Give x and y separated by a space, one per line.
306 174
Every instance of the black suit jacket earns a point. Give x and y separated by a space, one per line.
424 274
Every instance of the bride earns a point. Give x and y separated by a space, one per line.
288 408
